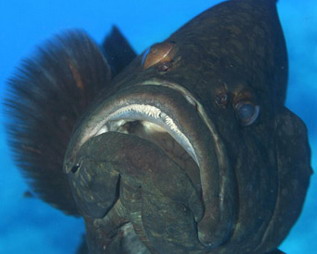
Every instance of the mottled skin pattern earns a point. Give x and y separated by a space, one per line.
253 190
219 82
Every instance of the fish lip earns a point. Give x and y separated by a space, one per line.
213 228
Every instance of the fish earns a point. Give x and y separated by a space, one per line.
185 148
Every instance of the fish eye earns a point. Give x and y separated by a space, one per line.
247 112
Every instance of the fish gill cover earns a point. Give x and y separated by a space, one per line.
28 225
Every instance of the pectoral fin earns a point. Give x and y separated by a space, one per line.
46 97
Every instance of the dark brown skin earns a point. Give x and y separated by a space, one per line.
221 79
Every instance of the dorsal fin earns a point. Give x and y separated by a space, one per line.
46 97
117 50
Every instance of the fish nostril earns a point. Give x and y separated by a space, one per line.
75 168
165 66
222 99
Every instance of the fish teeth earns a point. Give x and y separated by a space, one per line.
149 113
147 110
170 123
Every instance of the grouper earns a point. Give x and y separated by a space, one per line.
186 148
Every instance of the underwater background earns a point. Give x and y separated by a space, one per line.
28 225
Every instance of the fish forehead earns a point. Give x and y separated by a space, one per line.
233 44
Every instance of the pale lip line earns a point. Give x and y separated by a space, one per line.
223 164
200 109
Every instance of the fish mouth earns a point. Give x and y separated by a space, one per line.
153 124
172 118
150 123
147 119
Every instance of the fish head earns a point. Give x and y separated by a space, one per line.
210 99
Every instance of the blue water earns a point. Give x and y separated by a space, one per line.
28 225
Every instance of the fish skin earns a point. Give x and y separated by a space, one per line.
236 49
251 175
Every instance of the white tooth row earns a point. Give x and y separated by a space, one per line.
150 116
147 113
